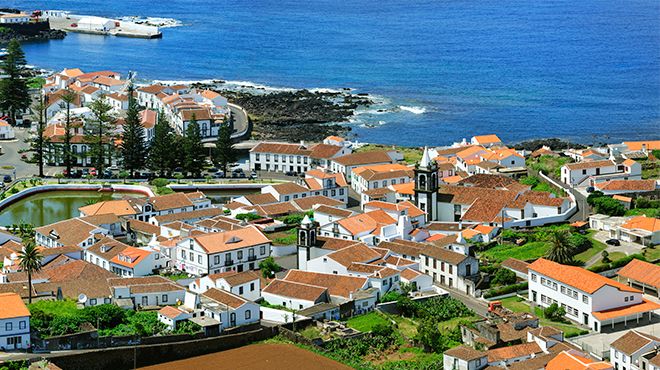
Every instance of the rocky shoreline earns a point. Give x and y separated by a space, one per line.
296 114
27 32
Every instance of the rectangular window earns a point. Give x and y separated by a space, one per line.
240 255
251 287
248 315
262 249
240 290
585 299
216 259
22 325
164 298
92 301
8 326
199 259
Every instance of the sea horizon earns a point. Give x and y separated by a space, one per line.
439 72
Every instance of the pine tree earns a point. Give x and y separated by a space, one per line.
14 94
133 147
193 149
97 133
67 156
162 150
38 143
224 148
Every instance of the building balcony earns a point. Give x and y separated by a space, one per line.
229 262
252 258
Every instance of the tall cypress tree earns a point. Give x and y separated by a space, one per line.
133 147
38 144
97 133
224 148
162 150
14 94
67 156
193 148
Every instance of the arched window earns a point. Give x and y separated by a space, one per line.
422 181
302 238
434 180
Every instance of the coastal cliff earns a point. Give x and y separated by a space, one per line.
33 31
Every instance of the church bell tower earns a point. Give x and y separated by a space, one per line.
426 186
306 240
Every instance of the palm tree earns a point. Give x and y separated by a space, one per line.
561 250
30 261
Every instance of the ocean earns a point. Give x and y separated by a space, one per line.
587 71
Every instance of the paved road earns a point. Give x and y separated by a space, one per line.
12 158
477 305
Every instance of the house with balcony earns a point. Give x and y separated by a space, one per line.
238 250
450 264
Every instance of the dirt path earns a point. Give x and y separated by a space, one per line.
256 356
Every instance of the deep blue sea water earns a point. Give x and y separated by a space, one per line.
585 70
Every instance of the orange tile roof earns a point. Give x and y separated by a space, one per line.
225 297
383 171
452 179
410 274
356 253
645 306
590 164
435 237
633 341
281 148
637 145
335 138
413 211
574 360
576 277
487 139
11 306
405 188
324 151
131 257
337 285
484 229
470 151
366 222
230 240
292 289
119 207
364 158
289 188
622 198
649 224
642 271
631 185
511 352
170 312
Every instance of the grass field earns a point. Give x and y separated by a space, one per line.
57 308
517 304
596 248
648 212
550 165
367 322
287 237
410 155
526 252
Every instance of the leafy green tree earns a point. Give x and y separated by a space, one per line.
554 312
133 146
162 150
609 206
561 250
593 196
504 277
38 143
97 137
269 267
14 93
606 257
30 261
67 155
193 149
224 148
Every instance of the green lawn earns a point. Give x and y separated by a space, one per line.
517 304
58 308
550 165
311 332
529 251
652 254
287 237
407 327
367 322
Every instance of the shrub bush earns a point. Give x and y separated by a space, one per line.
505 290
159 182
504 277
554 312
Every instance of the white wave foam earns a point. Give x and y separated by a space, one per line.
413 109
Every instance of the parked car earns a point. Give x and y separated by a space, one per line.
212 170
290 173
615 242
590 189
218 175
6 178
93 171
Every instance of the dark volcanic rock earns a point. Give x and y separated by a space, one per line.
28 34
553 143
297 115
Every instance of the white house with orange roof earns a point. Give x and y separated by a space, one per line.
339 261
246 284
331 185
133 261
625 351
370 227
298 158
380 176
627 147
573 359
212 253
639 229
6 131
171 316
227 309
505 157
591 172
589 299
395 210
486 140
14 321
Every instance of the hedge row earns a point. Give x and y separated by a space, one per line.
505 290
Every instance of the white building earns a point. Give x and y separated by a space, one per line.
6 131
451 266
589 299
246 284
239 250
14 321
227 308
297 158
577 174
171 316
625 352
147 291
464 358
